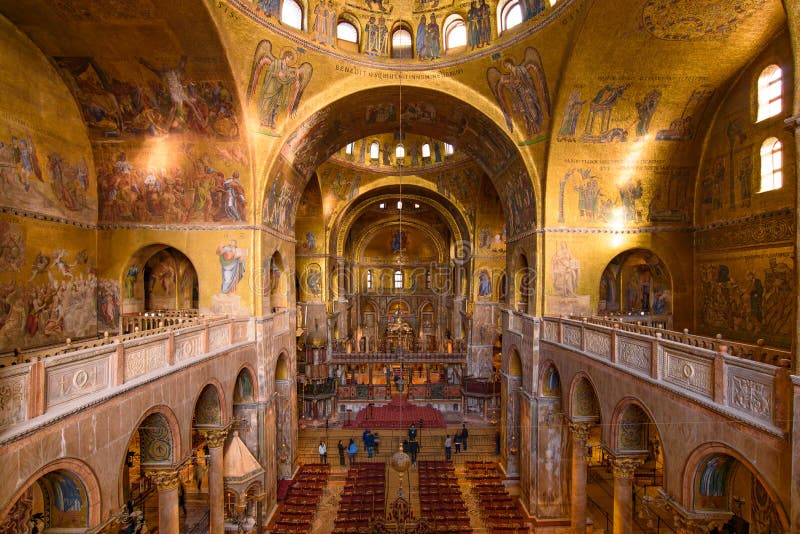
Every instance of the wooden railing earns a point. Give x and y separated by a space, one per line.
700 369
55 381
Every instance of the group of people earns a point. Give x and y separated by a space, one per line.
460 440
411 445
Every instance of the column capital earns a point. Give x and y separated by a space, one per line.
215 438
581 429
165 479
625 466
793 122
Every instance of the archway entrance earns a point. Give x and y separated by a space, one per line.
636 282
160 286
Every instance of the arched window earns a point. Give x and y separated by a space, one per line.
770 92
448 149
374 150
401 43
509 14
348 149
292 14
369 279
771 165
426 150
346 31
398 279
400 151
455 32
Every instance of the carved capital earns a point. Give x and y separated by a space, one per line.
580 430
215 438
625 466
165 479
793 122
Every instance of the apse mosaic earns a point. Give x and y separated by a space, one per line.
173 183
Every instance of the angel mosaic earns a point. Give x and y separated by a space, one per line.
278 81
521 91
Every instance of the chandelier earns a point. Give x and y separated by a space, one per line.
399 518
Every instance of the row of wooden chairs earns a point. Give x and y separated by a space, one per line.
362 498
298 510
440 498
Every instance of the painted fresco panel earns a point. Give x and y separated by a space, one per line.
748 296
46 293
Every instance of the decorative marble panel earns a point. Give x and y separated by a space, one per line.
187 346
634 354
68 382
751 393
598 344
13 400
218 337
240 332
572 336
144 359
551 331
688 372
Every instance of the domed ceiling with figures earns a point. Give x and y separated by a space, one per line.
577 127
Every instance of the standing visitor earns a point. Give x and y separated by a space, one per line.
464 436
352 449
340 446
323 452
448 447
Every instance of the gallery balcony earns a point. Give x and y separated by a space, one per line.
454 357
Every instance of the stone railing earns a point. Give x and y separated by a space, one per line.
156 319
756 352
406 357
280 321
70 346
752 391
53 386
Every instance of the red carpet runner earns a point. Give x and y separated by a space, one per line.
399 413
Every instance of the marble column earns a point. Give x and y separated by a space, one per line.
580 433
624 469
216 488
167 482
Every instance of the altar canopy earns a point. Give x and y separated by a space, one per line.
399 413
